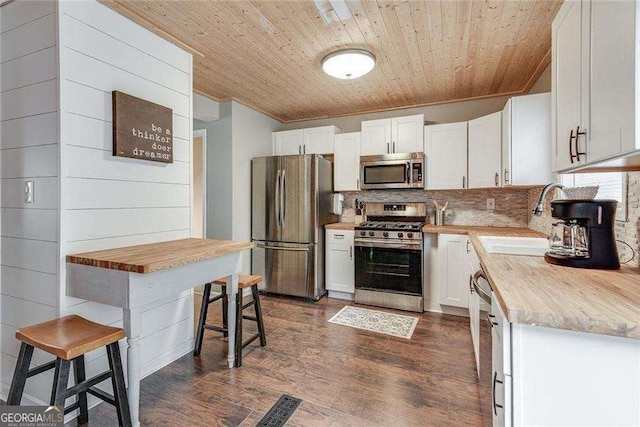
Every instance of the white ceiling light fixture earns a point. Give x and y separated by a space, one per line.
348 63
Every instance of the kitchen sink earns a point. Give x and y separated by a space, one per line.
535 246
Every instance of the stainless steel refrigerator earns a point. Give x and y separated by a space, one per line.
291 203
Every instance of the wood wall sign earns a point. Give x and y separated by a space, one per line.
141 129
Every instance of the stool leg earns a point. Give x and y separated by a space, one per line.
225 309
204 308
78 369
20 375
256 305
238 343
60 382
119 388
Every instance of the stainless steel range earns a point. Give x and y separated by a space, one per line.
388 256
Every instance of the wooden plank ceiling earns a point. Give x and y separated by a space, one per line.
266 54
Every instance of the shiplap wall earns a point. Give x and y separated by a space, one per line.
28 151
109 201
59 62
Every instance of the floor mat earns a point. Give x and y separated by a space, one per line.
376 321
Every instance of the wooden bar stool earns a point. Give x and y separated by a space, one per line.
246 282
69 339
204 309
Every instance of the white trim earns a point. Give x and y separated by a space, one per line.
201 133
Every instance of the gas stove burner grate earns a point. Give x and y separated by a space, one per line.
391 226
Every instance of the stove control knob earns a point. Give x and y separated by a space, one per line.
385 234
371 233
363 233
400 235
409 235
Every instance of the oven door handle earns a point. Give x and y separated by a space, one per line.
382 244
476 287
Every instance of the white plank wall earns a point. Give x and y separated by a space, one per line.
109 201
28 151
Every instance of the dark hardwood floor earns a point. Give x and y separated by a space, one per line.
345 376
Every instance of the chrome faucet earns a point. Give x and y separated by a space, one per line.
539 207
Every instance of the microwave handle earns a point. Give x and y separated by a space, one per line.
409 175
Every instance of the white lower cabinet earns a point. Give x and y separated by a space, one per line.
339 262
452 275
547 376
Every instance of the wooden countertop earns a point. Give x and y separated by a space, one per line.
341 226
159 256
481 231
534 292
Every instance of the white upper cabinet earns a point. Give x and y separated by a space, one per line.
395 135
567 82
407 134
318 140
346 162
593 82
376 137
526 140
288 142
485 148
446 151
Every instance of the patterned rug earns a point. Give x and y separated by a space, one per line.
376 321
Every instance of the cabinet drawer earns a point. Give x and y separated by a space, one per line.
340 236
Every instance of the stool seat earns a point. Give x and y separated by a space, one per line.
244 281
69 337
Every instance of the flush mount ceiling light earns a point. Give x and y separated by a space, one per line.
348 63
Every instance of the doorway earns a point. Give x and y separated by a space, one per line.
199 184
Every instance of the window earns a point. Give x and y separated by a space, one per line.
613 185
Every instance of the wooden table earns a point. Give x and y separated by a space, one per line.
135 276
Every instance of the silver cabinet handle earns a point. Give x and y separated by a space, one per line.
338 236
357 183
468 249
497 179
299 149
506 176
464 182
388 148
304 149
394 146
350 252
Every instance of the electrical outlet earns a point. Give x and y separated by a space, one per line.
28 191
491 204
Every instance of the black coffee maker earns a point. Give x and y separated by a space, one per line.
584 237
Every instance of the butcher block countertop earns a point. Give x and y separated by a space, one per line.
159 256
534 292
341 226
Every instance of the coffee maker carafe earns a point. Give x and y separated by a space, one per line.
584 237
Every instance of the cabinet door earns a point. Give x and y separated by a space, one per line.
505 179
288 142
453 269
407 134
501 364
340 268
566 81
485 151
319 140
346 162
446 152
376 137
610 129
474 320
529 143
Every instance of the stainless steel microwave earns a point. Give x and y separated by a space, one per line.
404 170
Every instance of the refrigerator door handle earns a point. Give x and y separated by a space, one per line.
283 197
278 180
280 248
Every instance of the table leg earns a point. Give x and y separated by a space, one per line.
132 323
232 290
